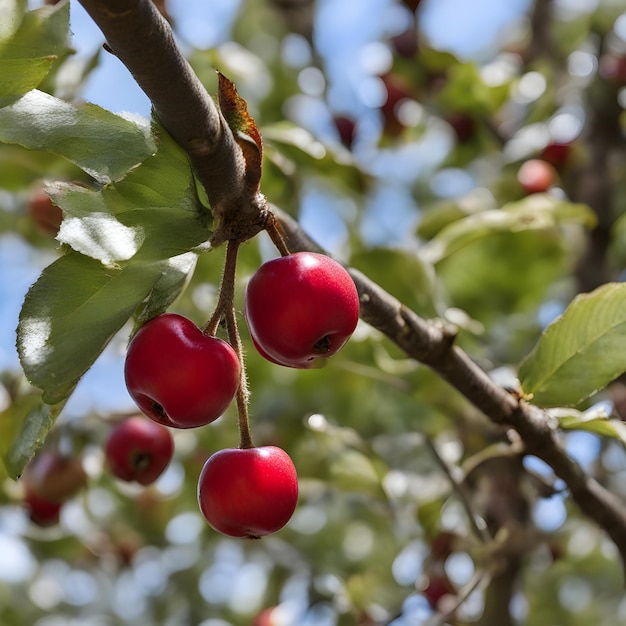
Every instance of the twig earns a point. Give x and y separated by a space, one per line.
480 529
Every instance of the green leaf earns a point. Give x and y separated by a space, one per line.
20 76
596 421
535 212
581 352
465 91
102 144
168 287
29 50
11 15
132 241
71 313
23 428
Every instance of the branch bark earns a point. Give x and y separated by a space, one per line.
432 344
143 41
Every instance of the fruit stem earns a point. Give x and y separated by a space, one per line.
225 306
277 234
226 295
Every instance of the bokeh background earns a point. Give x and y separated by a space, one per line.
369 432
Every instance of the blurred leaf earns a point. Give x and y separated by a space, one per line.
101 143
596 421
464 90
504 273
28 51
535 212
581 352
352 470
291 147
20 76
405 276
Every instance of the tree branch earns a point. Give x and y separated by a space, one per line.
431 343
143 41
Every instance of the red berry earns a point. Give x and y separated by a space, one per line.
536 176
556 153
300 307
54 477
177 375
265 618
42 512
437 587
45 214
248 492
138 449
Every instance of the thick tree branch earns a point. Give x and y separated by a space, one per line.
432 344
143 41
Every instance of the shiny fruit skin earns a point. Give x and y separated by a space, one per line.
177 375
248 492
138 449
300 307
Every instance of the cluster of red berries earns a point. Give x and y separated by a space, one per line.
298 307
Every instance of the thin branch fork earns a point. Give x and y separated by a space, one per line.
143 41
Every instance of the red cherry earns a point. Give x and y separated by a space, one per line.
177 375
536 176
54 477
138 449
42 512
45 214
437 587
556 153
265 618
248 492
300 307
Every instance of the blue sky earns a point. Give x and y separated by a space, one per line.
469 29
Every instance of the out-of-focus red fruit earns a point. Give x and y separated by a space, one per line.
406 43
46 215
612 67
42 512
536 176
138 449
346 127
54 477
463 126
264 618
437 587
556 153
